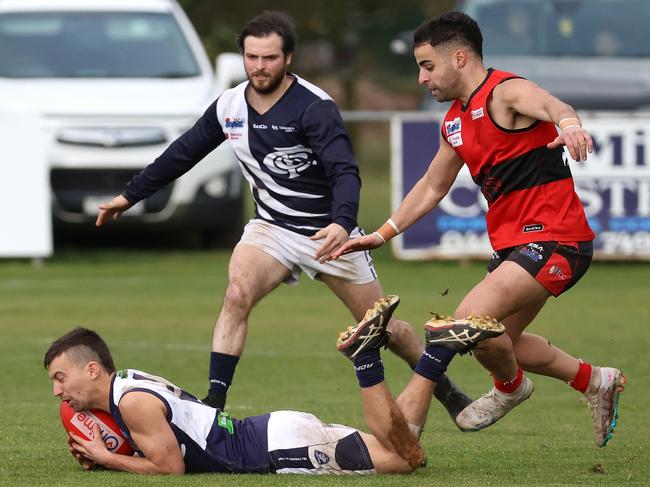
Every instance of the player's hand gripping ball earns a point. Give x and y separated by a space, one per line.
82 425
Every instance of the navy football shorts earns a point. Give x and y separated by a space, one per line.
555 265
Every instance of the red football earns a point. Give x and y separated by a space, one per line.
82 425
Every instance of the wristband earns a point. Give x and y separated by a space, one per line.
393 224
388 230
572 125
572 121
379 235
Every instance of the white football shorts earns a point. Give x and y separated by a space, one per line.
296 253
301 443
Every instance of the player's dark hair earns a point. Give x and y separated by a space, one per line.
90 345
268 23
450 27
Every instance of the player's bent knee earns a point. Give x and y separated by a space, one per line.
401 332
493 346
237 298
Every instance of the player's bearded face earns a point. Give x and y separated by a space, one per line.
265 63
437 73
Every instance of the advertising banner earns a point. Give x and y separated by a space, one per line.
613 184
25 197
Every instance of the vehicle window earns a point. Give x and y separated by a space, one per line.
563 27
93 45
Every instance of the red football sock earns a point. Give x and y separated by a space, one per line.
509 386
581 381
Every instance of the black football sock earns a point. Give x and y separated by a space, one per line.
222 369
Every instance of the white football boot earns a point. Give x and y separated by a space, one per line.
493 406
605 386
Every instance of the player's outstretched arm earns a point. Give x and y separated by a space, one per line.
527 98
424 197
113 209
145 416
367 242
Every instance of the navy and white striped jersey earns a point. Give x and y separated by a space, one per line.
297 157
209 442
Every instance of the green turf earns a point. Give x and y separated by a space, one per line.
156 311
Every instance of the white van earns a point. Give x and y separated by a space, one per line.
115 81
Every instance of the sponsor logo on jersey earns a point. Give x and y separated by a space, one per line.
235 123
321 457
535 246
453 127
478 113
284 128
558 272
290 160
537 227
455 140
260 126
85 421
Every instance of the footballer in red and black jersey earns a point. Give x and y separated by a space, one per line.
528 187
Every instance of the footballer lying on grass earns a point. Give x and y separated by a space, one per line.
173 432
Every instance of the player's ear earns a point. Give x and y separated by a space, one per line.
460 58
94 369
288 58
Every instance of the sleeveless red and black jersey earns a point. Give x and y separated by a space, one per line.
528 187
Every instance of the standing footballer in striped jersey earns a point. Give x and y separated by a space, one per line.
295 153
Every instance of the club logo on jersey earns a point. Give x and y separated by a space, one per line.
290 160
321 457
453 127
478 113
235 123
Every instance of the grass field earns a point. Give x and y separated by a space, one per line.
156 311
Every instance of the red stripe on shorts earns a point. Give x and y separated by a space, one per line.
556 274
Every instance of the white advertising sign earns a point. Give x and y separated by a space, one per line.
613 184
25 201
